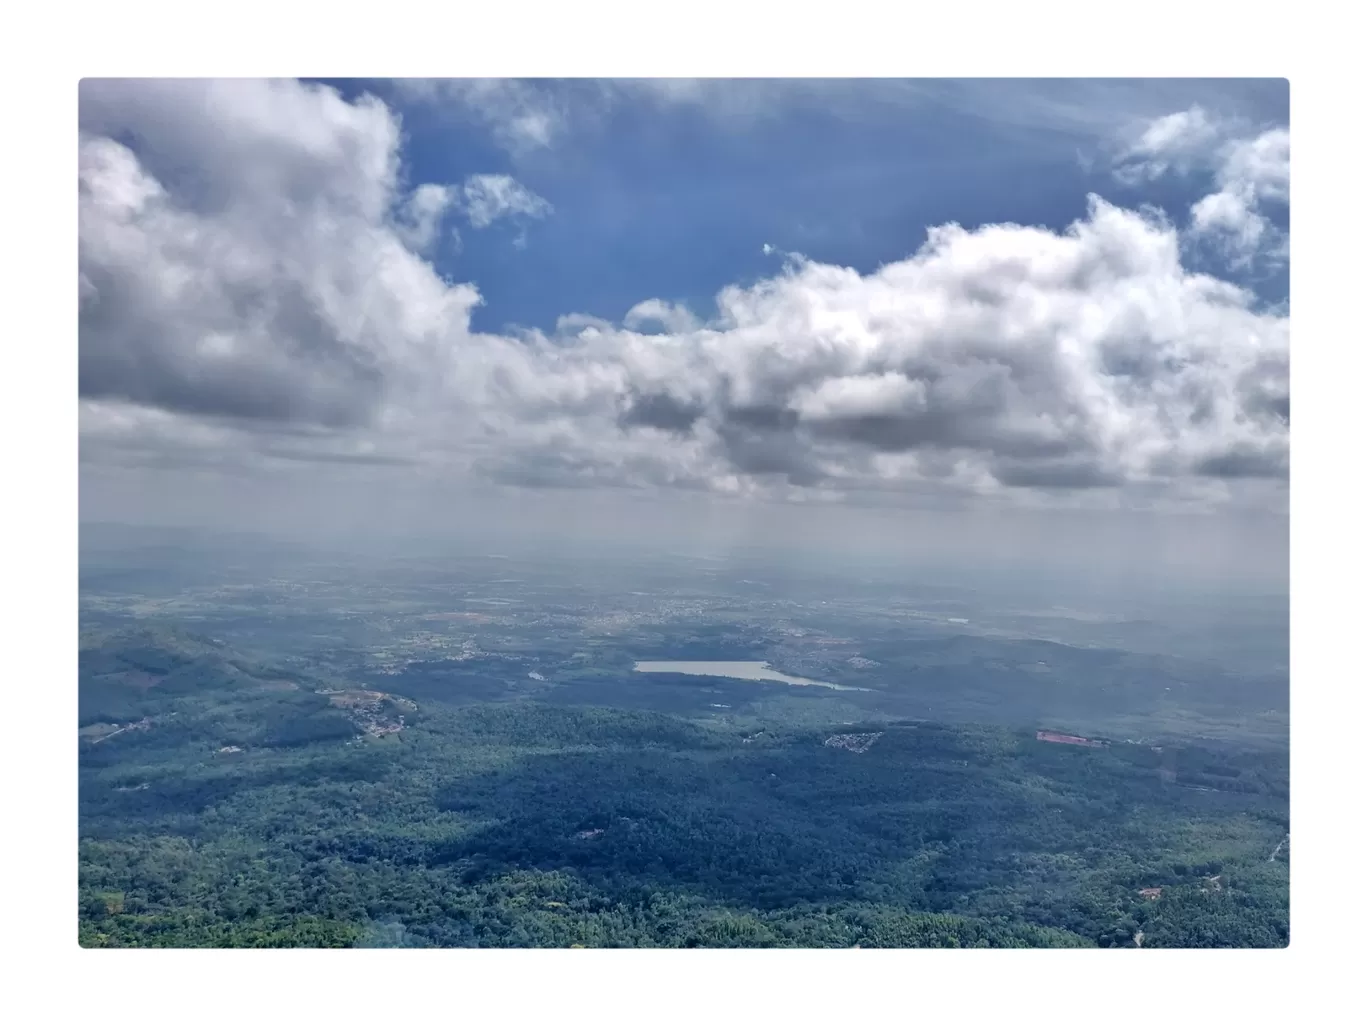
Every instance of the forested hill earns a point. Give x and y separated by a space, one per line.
223 802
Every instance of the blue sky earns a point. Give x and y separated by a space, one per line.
676 200
316 302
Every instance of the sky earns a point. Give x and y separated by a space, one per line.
985 320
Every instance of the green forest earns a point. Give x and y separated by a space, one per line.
228 803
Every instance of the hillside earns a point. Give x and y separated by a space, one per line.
254 809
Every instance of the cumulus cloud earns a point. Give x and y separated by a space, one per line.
1248 169
487 198
670 316
1230 219
1254 171
1176 142
253 293
1261 164
265 278
1006 356
420 218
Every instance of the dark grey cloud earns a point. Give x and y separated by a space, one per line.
254 257
130 349
765 441
345 458
1246 463
1061 473
661 411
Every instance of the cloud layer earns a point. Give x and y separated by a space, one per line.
254 289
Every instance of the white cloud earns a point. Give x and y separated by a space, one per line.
671 316
1176 142
522 116
1248 171
1253 171
528 116
857 396
1263 164
421 216
271 310
577 324
1229 217
486 198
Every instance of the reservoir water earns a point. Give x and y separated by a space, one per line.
737 671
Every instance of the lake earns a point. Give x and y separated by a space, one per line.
737 671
